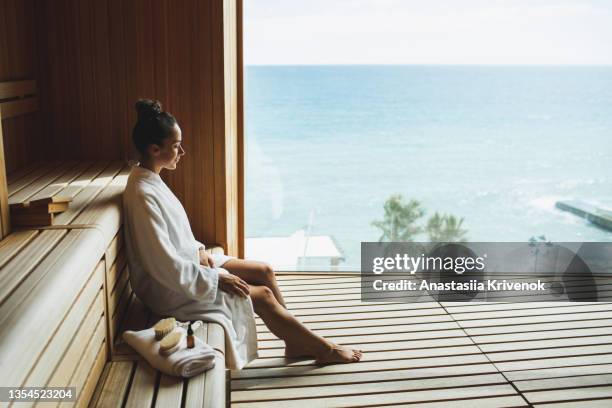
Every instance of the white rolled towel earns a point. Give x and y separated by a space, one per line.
184 362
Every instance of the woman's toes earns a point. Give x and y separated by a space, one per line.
339 354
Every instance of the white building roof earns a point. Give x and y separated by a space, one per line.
286 252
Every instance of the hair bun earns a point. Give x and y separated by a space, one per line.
148 109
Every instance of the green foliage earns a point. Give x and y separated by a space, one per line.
445 228
399 221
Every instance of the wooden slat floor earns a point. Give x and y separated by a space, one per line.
434 354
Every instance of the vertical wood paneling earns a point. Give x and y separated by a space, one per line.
97 58
18 60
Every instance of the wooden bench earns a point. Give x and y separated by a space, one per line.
129 379
65 297
52 281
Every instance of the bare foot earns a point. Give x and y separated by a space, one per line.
295 352
339 354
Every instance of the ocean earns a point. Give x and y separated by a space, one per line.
495 145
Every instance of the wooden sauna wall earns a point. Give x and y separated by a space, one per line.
99 57
18 60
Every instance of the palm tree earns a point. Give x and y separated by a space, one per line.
398 224
445 228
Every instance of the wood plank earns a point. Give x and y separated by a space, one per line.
402 354
18 269
570 333
13 176
52 286
481 402
84 312
373 387
99 385
550 352
373 314
62 182
90 380
15 242
363 366
532 312
566 361
215 381
371 323
215 384
324 292
136 319
360 308
87 374
548 343
83 180
338 305
332 333
40 183
362 377
119 315
305 275
196 386
384 346
116 270
461 307
170 392
120 302
390 398
557 372
600 403
569 394
76 351
379 338
87 192
114 248
107 212
143 386
519 328
566 382
23 182
19 107
115 385
15 89
117 291
509 321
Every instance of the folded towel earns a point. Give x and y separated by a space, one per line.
184 362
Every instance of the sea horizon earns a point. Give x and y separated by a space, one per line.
326 145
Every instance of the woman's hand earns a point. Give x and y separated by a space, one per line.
206 259
233 284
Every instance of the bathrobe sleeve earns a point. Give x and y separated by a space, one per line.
164 264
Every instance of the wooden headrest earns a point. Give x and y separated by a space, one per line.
17 98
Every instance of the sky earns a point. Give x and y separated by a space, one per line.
427 32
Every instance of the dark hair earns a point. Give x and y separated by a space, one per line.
153 125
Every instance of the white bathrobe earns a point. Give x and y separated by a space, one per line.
165 271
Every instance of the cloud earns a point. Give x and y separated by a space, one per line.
407 31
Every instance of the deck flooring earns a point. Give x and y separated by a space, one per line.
433 354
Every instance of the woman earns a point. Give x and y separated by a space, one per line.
173 275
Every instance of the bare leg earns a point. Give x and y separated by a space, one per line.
255 273
299 340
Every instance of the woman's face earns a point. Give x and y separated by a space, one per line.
168 155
